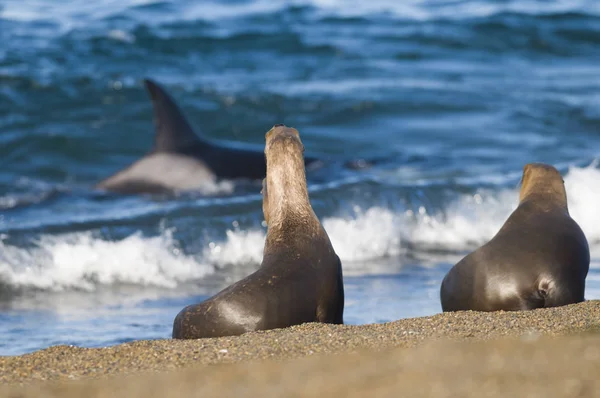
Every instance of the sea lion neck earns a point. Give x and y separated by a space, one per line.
285 191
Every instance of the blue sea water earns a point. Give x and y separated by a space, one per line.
456 95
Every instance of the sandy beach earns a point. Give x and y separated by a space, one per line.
548 351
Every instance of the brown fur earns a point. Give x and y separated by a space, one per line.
541 181
539 258
265 201
287 201
300 278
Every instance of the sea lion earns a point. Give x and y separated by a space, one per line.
182 160
300 278
539 258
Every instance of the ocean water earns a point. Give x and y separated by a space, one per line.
456 96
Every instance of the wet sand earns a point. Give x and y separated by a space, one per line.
504 353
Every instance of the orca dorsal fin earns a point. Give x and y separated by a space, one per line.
173 131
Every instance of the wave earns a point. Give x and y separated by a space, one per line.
472 220
464 224
429 10
84 261
164 11
186 33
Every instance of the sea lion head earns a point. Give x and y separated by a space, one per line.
283 140
544 182
284 153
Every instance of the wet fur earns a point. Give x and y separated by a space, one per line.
300 279
539 258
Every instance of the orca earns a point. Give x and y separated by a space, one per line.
182 160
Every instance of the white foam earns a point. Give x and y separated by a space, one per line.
583 192
373 233
83 261
472 220
464 224
467 222
239 247
369 234
359 238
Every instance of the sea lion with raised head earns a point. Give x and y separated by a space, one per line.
300 278
539 258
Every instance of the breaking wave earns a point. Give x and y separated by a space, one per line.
82 260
